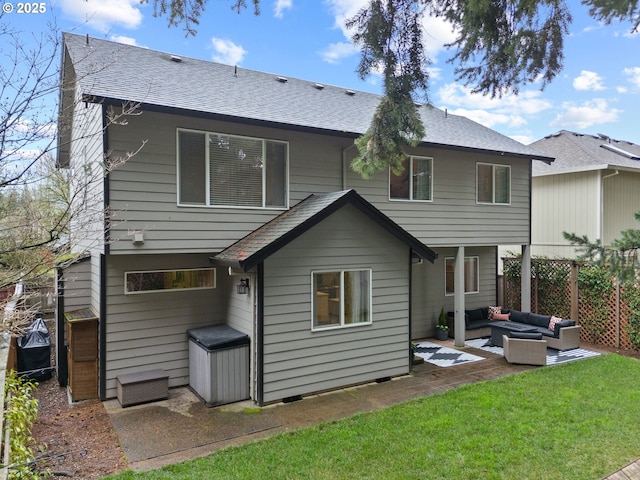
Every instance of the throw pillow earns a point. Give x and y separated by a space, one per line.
504 317
493 311
552 323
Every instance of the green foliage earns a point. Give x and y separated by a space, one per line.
607 11
507 43
621 258
630 293
585 412
442 321
389 34
20 413
551 280
596 286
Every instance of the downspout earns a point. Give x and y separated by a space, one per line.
259 336
61 351
601 203
102 332
102 325
410 307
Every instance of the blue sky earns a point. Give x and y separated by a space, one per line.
598 90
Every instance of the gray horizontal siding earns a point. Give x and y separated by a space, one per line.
143 191
428 289
148 331
298 361
454 217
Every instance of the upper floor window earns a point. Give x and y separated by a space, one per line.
471 275
227 170
415 182
493 183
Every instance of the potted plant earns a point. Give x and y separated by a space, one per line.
442 329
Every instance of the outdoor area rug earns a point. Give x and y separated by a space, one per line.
443 356
554 357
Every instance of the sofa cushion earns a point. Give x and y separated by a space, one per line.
478 324
563 323
504 317
491 311
476 314
538 320
552 323
518 316
526 335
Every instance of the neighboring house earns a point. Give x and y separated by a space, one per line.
592 189
241 209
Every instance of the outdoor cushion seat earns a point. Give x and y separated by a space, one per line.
525 351
564 336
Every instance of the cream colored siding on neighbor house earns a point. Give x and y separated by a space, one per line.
298 361
563 203
621 200
454 217
428 287
149 331
143 191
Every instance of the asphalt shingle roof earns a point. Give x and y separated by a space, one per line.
272 236
109 70
576 152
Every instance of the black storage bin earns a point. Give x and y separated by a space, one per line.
34 352
219 364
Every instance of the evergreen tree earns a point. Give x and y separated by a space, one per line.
620 258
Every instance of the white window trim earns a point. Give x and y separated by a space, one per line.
477 258
411 199
166 290
493 190
208 171
342 324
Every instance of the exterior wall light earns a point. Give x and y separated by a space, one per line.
243 287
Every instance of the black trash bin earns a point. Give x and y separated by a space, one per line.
219 364
34 352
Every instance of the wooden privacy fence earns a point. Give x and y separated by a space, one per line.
603 312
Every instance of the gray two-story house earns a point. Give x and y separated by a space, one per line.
240 208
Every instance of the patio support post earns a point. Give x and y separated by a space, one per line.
458 302
525 279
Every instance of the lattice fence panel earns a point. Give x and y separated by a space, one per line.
599 327
551 287
511 293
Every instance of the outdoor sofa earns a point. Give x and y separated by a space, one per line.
564 334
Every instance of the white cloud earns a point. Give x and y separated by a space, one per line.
524 139
525 103
489 119
281 6
124 39
585 115
103 15
436 31
633 75
588 81
227 52
337 51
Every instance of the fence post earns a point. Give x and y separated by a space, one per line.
574 292
618 330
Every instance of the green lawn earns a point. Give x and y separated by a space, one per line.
574 421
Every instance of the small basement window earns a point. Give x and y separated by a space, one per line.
163 280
